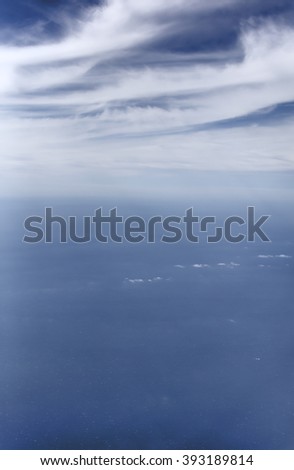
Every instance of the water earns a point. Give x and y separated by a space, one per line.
118 347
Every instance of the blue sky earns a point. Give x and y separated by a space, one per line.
95 95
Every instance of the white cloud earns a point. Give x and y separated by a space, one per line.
230 265
144 281
135 281
97 122
275 256
200 265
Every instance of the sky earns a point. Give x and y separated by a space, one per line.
154 107
96 96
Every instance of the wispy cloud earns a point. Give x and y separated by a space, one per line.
200 266
145 280
107 96
282 256
230 265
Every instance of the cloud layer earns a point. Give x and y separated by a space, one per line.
129 86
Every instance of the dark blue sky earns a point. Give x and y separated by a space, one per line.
213 31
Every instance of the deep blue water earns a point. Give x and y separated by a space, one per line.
186 358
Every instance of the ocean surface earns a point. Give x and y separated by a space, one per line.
146 346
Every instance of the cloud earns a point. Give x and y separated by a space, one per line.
106 96
230 265
283 256
135 281
145 280
199 266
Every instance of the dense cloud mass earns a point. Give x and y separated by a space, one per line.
126 85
